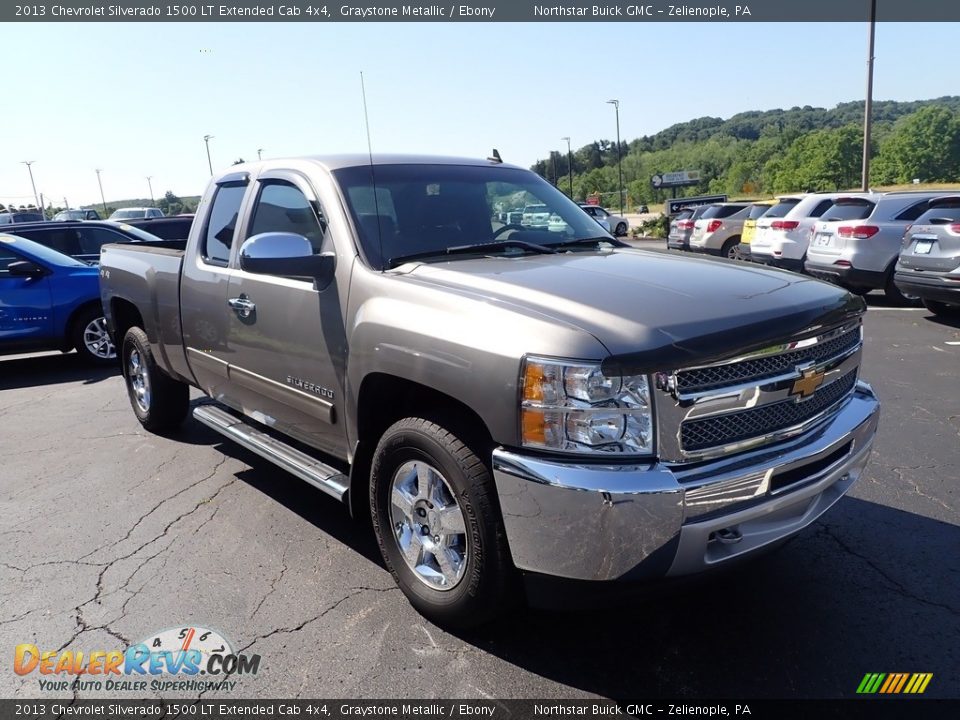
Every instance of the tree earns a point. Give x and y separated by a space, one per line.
170 204
239 161
923 145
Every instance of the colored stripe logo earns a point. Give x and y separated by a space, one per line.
894 683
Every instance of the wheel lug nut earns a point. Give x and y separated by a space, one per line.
436 538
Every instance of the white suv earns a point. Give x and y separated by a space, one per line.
783 232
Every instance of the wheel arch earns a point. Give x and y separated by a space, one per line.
382 400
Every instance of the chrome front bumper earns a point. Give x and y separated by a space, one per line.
624 522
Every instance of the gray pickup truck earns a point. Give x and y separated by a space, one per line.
512 406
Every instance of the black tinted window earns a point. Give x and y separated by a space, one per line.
757 210
848 211
92 239
283 208
222 222
6 257
914 211
820 208
941 214
64 241
781 208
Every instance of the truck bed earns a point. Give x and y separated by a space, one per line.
145 278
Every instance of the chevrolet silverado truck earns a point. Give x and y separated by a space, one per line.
509 405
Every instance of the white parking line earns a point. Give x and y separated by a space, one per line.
950 342
899 309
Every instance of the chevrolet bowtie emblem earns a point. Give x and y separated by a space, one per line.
807 384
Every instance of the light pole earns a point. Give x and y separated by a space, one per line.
150 185
569 165
102 198
36 198
206 140
616 106
868 106
259 156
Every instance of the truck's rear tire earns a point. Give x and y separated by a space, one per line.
436 517
159 402
90 337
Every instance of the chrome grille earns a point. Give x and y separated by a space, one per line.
756 369
763 420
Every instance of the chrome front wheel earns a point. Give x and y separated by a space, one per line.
96 339
428 525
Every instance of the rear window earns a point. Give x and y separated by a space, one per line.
781 208
848 210
757 210
721 211
683 214
941 214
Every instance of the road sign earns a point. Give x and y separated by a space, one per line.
672 207
680 178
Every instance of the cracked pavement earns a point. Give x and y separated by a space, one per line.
110 534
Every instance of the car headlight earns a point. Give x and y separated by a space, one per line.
573 407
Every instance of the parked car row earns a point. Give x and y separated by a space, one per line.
49 289
853 239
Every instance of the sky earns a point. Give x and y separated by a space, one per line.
136 99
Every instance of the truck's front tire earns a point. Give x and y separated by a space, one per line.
437 521
159 402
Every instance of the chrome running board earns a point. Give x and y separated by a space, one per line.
319 474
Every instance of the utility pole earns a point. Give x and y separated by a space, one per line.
36 198
868 106
569 165
66 205
207 139
150 185
259 156
102 198
616 105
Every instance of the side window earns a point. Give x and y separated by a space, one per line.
281 207
914 211
222 222
64 241
92 239
6 257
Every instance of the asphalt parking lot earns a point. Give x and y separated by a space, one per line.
110 534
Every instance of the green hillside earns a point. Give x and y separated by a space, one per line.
763 152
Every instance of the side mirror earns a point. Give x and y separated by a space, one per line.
25 268
286 255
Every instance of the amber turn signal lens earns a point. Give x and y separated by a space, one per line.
533 379
534 427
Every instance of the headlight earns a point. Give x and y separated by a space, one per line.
573 407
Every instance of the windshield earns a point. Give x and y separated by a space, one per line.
126 214
758 210
71 215
431 208
41 252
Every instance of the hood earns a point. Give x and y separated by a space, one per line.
654 311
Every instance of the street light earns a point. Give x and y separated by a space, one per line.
150 185
36 198
102 198
868 105
259 156
206 140
569 165
616 105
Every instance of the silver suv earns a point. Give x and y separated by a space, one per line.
784 231
717 231
856 242
681 227
929 265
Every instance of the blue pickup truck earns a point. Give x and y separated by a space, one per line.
50 301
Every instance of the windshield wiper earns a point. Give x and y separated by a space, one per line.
589 241
473 248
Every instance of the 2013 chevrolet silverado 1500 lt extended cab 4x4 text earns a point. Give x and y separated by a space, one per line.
508 403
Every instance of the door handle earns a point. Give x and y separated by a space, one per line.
242 306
